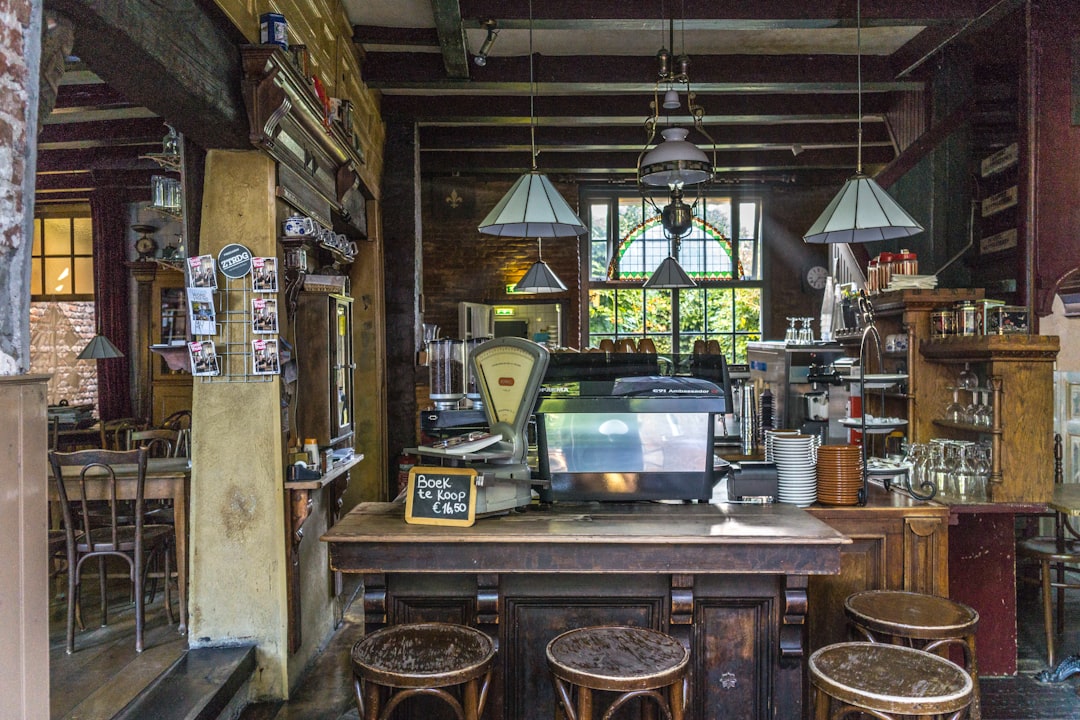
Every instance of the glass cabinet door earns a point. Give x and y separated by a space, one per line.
342 370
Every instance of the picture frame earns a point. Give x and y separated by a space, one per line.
1072 467
1074 401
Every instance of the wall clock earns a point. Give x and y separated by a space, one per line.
145 244
814 277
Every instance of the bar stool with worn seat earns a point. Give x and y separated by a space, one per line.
427 659
635 662
926 622
886 681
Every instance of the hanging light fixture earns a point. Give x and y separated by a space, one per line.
862 211
533 207
99 348
675 163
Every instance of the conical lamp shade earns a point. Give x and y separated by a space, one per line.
532 208
862 212
540 279
669 275
99 348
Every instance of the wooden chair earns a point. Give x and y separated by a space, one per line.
1058 562
607 345
97 535
180 421
158 442
440 657
634 662
859 679
926 622
625 345
116 434
700 347
646 345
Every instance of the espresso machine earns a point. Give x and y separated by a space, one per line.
808 393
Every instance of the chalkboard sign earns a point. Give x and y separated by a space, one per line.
441 496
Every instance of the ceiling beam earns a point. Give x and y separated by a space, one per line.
177 57
451 35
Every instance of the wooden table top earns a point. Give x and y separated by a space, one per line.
1066 499
592 537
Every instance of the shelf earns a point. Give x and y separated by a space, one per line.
975 348
968 427
333 474
873 428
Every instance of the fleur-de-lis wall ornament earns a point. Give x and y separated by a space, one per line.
454 200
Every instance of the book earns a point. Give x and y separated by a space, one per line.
462 444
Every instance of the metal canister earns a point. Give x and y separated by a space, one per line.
966 318
274 30
942 323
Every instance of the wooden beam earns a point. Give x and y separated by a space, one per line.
176 57
451 34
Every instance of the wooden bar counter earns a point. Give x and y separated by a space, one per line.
730 581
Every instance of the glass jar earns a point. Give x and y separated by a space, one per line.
966 321
446 366
907 263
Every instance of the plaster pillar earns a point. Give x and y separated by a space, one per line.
238 526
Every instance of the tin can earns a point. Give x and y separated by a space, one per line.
966 318
942 323
274 30
1008 320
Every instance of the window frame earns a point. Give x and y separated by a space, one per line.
611 195
39 256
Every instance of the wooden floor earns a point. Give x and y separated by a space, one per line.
105 672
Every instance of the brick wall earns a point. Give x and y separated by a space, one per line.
58 333
461 264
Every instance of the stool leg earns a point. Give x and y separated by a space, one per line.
371 699
584 704
471 700
973 670
677 699
821 704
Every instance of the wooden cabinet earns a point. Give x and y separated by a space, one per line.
161 388
324 408
897 544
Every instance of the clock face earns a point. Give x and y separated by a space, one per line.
145 245
816 277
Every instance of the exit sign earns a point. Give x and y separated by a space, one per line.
504 312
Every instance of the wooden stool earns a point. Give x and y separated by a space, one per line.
422 659
927 622
888 680
635 662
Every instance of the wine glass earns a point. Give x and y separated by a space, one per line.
956 411
792 335
968 380
983 416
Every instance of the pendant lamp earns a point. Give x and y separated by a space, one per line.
669 275
99 348
862 211
533 207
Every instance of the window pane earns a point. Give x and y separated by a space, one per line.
57 236
35 277
629 319
657 312
57 275
84 276
748 310
36 250
598 240
747 220
718 316
692 311
83 236
601 313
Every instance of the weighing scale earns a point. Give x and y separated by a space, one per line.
509 372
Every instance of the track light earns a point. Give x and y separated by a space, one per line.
481 57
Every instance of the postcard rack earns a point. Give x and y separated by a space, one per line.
233 341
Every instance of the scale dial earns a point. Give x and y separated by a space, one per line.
508 375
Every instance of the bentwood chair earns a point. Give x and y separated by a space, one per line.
116 433
158 442
1058 561
93 534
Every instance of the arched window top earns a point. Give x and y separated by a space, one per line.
705 253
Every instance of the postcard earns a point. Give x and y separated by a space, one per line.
201 272
201 313
264 318
264 276
204 359
264 357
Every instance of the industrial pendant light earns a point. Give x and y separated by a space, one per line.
533 208
99 348
862 211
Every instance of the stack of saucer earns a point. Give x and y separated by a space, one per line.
796 474
768 441
839 474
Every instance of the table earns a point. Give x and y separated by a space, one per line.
1066 499
78 438
166 479
728 581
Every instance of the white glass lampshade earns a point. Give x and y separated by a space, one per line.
675 161
862 212
671 100
532 208
540 279
669 275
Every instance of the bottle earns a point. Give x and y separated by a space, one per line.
311 447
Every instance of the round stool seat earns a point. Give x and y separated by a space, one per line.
617 658
423 655
889 679
910 614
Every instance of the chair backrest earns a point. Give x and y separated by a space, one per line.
116 434
96 481
179 420
647 346
607 345
54 432
625 345
158 442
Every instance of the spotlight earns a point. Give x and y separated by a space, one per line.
481 57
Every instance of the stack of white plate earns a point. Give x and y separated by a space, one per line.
769 435
918 282
796 468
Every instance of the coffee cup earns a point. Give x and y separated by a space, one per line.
299 225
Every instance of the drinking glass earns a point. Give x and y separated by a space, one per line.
956 411
792 335
968 380
983 416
